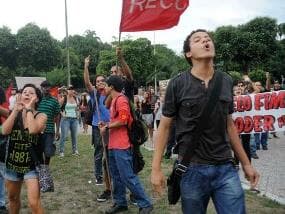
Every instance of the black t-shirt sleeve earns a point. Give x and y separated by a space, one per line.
231 105
169 108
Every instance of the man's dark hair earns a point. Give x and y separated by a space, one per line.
95 79
186 45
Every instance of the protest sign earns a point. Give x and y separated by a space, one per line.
262 112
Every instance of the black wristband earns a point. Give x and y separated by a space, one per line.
29 110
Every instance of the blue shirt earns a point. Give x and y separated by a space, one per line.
103 111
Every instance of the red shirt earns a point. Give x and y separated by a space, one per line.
118 137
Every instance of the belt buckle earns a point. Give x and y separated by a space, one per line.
180 169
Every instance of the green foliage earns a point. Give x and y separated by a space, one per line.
235 75
5 77
249 46
7 48
257 75
256 45
37 49
57 77
88 44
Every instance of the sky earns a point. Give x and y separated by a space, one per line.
103 17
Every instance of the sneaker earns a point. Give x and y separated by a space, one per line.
3 210
133 200
255 156
106 195
264 147
146 210
116 209
61 154
75 152
99 181
275 136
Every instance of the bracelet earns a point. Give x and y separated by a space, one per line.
29 110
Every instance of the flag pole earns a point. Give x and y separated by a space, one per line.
67 46
154 53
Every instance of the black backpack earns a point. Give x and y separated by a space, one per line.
137 131
91 108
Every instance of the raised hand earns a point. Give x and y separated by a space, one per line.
18 104
87 61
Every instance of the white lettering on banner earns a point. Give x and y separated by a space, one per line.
138 3
262 112
149 4
162 4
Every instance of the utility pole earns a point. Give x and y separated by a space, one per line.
67 46
155 86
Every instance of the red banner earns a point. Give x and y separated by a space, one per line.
144 15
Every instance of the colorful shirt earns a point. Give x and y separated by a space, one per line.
118 137
50 106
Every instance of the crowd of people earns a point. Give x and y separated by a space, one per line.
34 120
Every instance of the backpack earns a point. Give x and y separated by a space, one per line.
137 131
88 115
91 108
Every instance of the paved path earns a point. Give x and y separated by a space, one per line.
271 166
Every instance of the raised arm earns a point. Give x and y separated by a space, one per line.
268 81
125 67
86 76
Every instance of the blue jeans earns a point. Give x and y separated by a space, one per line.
221 182
65 125
98 151
2 184
252 144
261 138
121 167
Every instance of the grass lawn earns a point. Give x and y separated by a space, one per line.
75 189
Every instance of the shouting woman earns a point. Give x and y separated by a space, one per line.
24 126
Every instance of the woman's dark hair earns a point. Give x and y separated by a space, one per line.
38 93
2 96
83 100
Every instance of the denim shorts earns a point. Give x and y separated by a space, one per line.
15 176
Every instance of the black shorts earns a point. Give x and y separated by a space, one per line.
48 146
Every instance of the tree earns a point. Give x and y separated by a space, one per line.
138 54
8 56
88 44
37 50
256 42
225 38
281 30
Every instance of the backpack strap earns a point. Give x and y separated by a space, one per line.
115 105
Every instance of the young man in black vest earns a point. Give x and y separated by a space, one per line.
210 172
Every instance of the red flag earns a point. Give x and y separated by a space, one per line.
144 15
